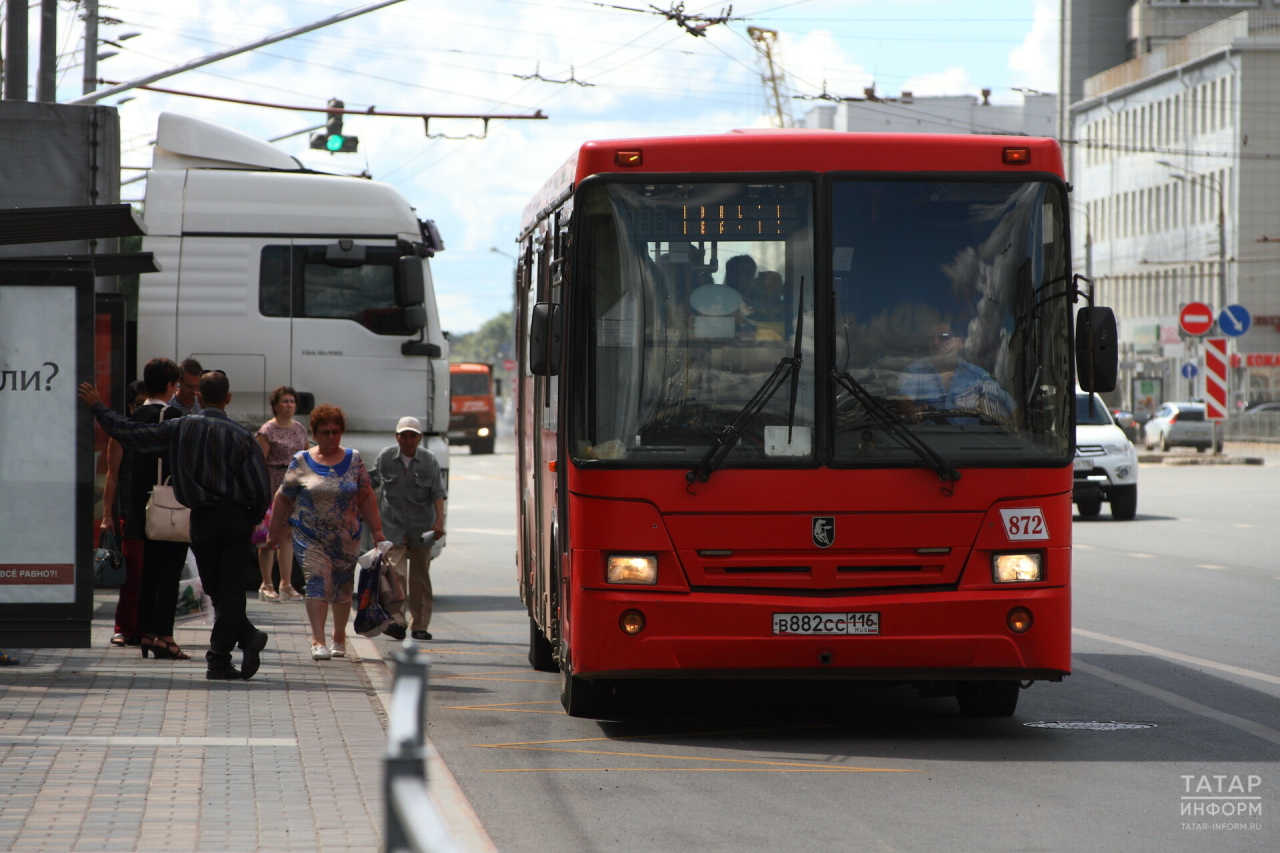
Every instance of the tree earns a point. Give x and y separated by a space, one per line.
491 343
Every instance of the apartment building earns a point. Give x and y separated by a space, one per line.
1176 167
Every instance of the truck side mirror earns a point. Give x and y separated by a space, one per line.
546 331
1097 355
415 317
411 285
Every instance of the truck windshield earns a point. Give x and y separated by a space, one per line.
951 308
692 296
469 384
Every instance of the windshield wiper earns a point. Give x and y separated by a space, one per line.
889 422
787 365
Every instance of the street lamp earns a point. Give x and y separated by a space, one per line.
504 254
1213 183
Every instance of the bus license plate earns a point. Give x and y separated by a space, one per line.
826 623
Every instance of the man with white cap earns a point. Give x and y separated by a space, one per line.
411 500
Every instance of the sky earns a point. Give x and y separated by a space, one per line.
646 76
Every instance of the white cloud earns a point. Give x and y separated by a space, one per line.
1035 61
953 81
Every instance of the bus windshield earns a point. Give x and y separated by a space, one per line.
951 307
693 294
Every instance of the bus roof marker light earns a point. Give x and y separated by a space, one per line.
628 158
1017 156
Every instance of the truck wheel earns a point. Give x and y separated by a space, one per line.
1124 502
1089 507
541 653
583 698
987 698
482 445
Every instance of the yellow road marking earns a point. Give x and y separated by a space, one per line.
507 706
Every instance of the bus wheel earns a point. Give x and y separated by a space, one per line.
541 654
481 446
987 698
582 698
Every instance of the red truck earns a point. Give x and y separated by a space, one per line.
472 417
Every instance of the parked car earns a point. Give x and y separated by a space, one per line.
1125 420
1106 463
1181 424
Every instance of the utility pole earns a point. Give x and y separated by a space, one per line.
15 51
224 54
90 45
47 75
772 74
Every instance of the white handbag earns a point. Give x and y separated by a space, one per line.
167 519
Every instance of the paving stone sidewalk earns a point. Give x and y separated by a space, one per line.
102 750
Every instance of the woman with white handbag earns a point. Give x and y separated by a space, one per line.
142 478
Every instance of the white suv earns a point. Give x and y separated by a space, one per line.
1106 463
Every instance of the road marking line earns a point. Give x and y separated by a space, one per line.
477 674
1248 726
1209 566
756 729
1242 525
483 530
1191 659
706 758
487 678
1144 556
1083 547
482 652
698 770
508 706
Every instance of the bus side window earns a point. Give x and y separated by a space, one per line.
274 281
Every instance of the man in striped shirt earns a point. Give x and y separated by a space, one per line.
219 472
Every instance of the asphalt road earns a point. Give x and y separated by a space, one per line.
1175 637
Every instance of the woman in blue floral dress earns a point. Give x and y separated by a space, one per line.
324 494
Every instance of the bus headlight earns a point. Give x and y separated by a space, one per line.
483 432
632 569
1015 568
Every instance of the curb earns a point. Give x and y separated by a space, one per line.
1198 459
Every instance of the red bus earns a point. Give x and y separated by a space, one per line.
800 404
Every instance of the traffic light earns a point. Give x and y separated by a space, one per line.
333 139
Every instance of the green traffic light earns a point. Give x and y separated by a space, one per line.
334 142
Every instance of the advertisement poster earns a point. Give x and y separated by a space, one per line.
38 429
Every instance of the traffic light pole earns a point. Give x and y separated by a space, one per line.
93 97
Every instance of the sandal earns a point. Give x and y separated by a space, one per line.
118 640
288 593
267 593
319 652
165 647
337 649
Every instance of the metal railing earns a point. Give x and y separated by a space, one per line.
1259 426
413 823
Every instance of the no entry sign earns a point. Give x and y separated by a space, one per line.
1196 318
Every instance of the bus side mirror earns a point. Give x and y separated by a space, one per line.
1097 353
411 285
546 331
497 387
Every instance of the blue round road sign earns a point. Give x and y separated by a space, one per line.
1234 320
1189 370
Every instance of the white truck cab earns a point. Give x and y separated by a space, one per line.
279 275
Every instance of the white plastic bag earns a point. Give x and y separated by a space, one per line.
193 604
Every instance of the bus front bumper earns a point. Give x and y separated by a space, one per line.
952 635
